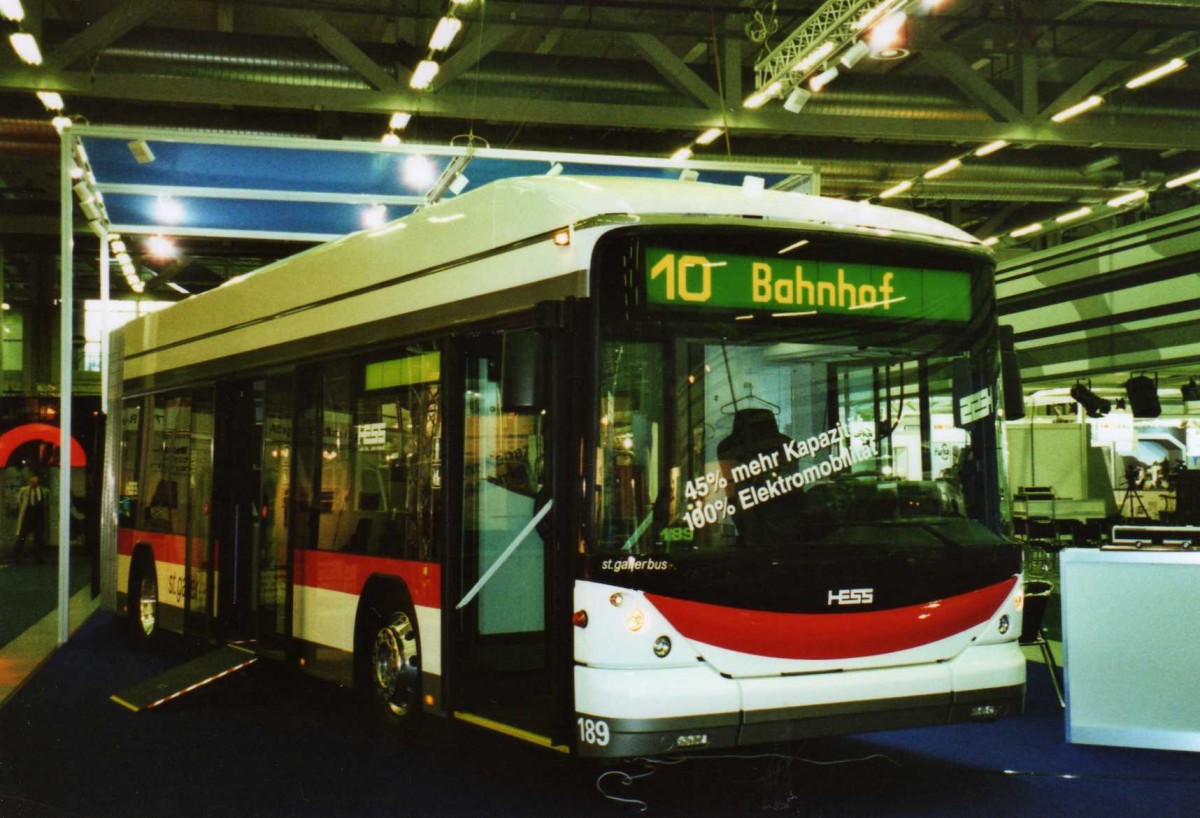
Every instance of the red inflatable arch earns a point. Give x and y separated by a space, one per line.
11 440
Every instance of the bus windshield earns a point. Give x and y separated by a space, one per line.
718 444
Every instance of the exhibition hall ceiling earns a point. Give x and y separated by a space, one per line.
903 122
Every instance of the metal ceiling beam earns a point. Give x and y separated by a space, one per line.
675 70
106 30
339 45
977 90
479 42
1095 130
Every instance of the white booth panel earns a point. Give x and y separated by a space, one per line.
1131 642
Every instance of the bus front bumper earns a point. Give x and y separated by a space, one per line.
626 713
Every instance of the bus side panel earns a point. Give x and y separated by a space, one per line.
326 589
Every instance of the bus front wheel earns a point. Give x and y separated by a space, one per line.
394 672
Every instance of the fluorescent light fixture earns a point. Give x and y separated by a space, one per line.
1074 215
51 99
90 209
854 54
887 33
821 80
168 210
876 13
399 121
372 216
389 139
179 289
61 123
759 98
990 148
1027 230
709 136
896 190
555 169
793 246
753 185
943 169
689 175
444 33
76 172
1187 178
681 154
419 172
12 10
161 247
118 246
1158 73
797 99
97 227
814 57
140 149
124 259
1128 198
459 183
84 192
461 2
1078 108
423 74
991 241
26 46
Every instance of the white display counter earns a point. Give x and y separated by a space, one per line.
1131 644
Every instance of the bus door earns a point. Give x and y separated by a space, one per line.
237 442
501 595
252 465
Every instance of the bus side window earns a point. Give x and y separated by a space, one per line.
395 493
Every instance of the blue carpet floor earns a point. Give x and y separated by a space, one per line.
265 743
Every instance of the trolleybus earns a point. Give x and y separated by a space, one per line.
616 466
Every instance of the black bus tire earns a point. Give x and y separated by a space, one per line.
142 603
389 666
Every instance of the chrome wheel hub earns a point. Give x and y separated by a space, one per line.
397 671
148 603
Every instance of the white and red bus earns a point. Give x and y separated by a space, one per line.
617 466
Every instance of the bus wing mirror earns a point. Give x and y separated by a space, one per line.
1010 375
522 386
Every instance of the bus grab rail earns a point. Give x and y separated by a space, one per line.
500 560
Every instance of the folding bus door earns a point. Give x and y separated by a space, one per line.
500 611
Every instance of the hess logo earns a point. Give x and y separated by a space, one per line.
852 596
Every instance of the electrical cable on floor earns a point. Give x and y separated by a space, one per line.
655 764
626 780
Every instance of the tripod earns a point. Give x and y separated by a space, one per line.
1134 498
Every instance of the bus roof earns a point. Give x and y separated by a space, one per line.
590 196
506 213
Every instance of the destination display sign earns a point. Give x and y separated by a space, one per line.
676 278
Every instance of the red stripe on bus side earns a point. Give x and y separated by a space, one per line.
166 547
832 635
348 573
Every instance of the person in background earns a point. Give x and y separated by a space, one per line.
32 500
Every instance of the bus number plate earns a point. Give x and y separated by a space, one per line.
593 731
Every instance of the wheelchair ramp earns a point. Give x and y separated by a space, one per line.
185 678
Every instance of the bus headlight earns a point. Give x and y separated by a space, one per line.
1004 624
662 646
